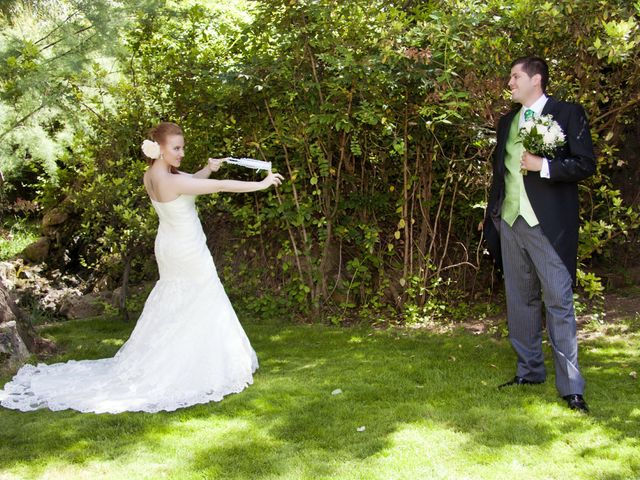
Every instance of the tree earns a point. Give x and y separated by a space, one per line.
381 114
18 338
57 62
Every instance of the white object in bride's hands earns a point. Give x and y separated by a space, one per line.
249 163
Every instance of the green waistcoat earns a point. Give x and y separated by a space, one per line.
516 201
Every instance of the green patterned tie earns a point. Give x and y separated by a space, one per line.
528 114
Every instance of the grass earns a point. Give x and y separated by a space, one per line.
15 236
428 403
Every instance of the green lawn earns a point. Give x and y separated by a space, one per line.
428 403
15 235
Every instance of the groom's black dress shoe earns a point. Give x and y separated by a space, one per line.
519 381
576 402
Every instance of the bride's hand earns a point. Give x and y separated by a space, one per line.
274 179
216 163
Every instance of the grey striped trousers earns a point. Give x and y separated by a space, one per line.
534 272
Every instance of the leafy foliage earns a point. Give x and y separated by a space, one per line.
380 114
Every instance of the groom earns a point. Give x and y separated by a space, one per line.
531 229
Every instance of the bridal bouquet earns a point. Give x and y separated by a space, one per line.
541 136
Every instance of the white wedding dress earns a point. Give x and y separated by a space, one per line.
188 346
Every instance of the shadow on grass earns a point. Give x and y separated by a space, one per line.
293 425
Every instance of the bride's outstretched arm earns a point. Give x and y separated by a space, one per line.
213 165
182 184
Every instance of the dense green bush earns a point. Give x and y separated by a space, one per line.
380 114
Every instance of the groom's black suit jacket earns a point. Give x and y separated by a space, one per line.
554 200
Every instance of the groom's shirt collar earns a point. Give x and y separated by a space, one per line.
537 107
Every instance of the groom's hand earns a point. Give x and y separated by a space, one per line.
531 162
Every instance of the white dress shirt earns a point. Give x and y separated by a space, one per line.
537 108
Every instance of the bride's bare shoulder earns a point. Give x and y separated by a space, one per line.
155 183
155 176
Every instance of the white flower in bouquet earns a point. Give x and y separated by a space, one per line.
527 126
541 136
557 131
548 137
151 149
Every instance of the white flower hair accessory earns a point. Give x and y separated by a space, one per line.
151 149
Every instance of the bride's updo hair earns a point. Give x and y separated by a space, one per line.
159 134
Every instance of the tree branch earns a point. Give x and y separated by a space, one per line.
22 120
617 109
52 59
59 40
58 27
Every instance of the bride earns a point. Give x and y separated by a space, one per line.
188 346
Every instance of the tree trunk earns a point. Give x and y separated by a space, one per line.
18 338
122 306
